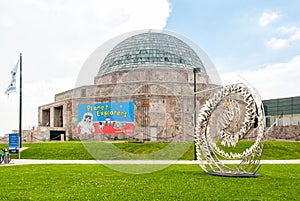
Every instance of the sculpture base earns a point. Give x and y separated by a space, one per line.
226 174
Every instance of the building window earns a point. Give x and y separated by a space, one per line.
295 121
58 116
83 92
45 117
268 121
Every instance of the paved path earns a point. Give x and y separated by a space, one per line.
163 162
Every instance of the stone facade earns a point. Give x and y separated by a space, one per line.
168 113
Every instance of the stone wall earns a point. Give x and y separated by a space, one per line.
284 133
170 95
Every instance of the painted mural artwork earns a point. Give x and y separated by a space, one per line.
106 118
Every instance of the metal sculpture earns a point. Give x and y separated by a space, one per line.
233 113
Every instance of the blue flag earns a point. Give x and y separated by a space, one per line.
12 86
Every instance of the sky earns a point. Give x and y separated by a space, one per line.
257 40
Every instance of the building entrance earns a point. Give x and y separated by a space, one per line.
56 135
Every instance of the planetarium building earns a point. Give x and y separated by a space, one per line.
142 88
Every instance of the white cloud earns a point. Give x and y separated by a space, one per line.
268 17
292 34
287 30
271 81
277 43
56 37
35 93
295 36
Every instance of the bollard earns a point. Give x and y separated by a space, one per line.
62 137
6 158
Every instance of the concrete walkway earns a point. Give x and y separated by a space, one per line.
149 162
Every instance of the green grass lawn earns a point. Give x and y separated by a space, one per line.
177 182
77 150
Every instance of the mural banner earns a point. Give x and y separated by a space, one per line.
106 118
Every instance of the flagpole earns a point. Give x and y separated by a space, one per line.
20 106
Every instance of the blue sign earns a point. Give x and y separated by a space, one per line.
13 143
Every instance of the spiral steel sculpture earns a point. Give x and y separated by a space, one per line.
232 113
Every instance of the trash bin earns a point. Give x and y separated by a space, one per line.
44 137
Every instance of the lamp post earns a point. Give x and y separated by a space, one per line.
195 70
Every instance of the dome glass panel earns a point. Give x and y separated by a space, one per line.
151 50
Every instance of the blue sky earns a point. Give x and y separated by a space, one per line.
230 32
258 40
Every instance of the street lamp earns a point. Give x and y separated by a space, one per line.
195 70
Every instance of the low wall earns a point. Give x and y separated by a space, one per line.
291 133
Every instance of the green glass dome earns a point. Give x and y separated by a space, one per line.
151 50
